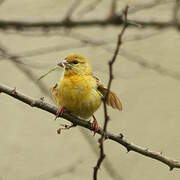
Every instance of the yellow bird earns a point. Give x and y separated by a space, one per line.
79 91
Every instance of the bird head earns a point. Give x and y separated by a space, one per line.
75 64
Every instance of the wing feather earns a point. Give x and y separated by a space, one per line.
54 93
112 99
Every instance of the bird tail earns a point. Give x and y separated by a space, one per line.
112 99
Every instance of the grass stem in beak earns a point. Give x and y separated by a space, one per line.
56 68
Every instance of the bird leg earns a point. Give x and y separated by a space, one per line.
95 125
59 112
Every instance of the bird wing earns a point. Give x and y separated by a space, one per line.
54 93
112 99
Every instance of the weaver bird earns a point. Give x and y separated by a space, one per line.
79 91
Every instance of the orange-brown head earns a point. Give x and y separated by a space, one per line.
76 64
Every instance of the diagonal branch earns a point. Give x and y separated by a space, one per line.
80 122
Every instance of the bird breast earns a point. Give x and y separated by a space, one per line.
79 95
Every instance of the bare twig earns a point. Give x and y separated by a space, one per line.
80 122
67 22
51 25
106 117
108 166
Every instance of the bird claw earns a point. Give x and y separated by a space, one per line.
95 125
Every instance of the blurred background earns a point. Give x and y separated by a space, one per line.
35 35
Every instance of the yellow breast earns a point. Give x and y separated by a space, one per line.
78 94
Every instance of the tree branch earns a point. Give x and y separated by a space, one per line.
106 117
80 122
113 21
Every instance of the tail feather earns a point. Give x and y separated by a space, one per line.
112 99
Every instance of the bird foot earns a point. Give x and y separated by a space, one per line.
95 125
59 112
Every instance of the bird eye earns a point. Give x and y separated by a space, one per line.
75 62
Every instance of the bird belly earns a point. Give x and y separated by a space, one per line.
80 99
86 108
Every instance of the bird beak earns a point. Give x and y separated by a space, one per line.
63 63
60 64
